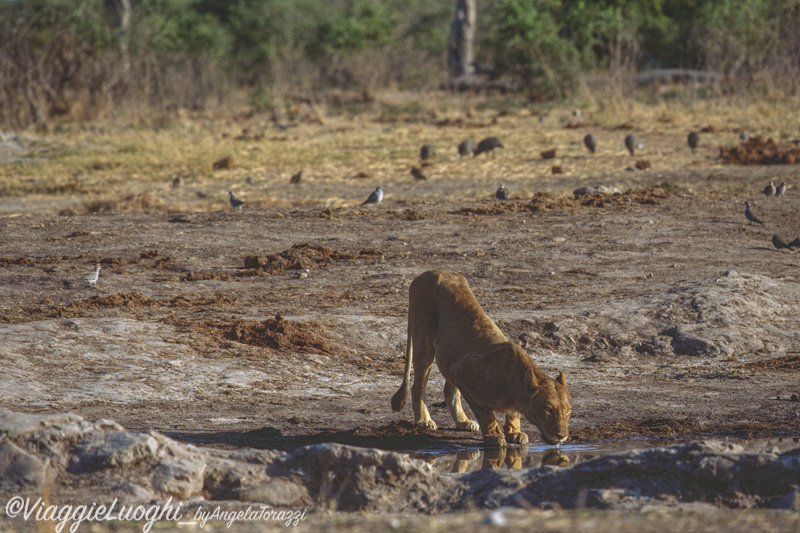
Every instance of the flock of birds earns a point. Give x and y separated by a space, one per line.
467 147
426 152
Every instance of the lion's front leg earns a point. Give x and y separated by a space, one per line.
512 431
492 434
452 397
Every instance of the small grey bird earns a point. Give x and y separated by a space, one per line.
748 213
296 177
778 243
375 198
501 193
426 152
466 147
235 202
693 139
781 190
590 141
92 277
744 136
630 143
417 173
769 190
487 145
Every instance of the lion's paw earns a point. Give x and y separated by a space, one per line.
517 438
494 441
427 424
468 425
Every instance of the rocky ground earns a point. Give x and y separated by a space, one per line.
672 317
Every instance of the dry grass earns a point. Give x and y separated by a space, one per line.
118 166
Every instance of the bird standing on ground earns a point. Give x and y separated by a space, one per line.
778 243
590 141
501 193
375 198
417 173
748 213
296 177
487 145
693 139
92 277
426 152
235 202
630 143
769 190
781 189
466 147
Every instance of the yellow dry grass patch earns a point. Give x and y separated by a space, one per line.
168 168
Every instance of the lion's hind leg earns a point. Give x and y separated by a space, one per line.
453 398
423 362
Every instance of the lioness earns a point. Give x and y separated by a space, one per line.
447 323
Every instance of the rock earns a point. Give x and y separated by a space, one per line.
685 343
104 450
102 461
19 469
791 501
276 493
346 478
180 477
707 471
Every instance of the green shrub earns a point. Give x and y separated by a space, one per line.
524 42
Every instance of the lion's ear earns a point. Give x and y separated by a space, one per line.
562 378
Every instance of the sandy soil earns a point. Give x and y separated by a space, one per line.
279 327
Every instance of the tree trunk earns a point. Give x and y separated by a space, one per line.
462 35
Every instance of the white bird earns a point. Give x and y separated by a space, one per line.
781 189
750 216
235 202
92 277
375 198
502 193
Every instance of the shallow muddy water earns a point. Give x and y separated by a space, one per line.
536 455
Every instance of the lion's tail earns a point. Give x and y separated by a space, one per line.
399 398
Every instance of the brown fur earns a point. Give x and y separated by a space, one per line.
447 324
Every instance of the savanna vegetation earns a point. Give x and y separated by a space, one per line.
95 58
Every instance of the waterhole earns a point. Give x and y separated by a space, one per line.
536 455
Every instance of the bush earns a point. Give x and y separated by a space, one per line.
524 42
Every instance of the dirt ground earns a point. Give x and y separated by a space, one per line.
277 328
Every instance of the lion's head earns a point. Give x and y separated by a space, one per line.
547 405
